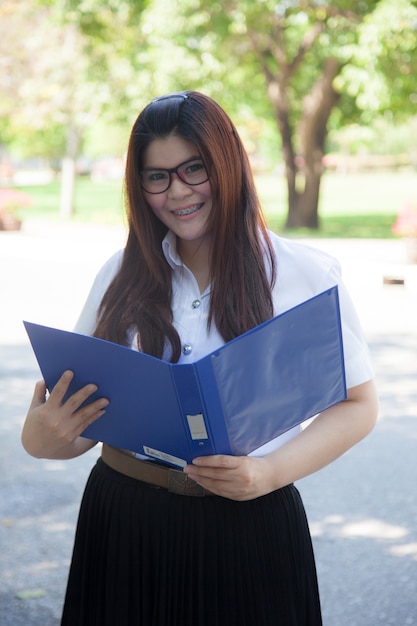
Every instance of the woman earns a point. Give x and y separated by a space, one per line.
199 269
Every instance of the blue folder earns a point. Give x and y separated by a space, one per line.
232 401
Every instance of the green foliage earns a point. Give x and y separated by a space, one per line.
48 142
106 138
98 19
94 63
72 63
242 34
382 77
380 137
374 41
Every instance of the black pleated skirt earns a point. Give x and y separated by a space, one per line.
147 557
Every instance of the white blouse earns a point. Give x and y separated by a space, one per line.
302 272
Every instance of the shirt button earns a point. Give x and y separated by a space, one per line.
196 304
187 349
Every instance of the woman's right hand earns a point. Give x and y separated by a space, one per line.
53 427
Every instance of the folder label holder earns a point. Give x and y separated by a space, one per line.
162 456
197 426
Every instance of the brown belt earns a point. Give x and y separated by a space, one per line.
175 481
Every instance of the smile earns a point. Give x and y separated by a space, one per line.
189 210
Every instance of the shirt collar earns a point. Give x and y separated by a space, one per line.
169 248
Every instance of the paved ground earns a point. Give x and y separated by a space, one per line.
362 509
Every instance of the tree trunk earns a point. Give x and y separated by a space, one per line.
303 210
318 105
277 91
68 171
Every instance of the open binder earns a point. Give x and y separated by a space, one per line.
232 401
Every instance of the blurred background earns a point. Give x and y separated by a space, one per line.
324 95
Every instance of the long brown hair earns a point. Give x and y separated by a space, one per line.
140 295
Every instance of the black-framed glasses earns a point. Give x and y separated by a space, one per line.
158 180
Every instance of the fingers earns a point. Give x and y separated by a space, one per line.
216 470
38 394
53 425
75 401
61 388
237 478
217 460
217 466
88 414
69 416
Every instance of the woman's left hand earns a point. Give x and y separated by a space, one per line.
234 477
328 436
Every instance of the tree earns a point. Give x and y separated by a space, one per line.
48 91
302 48
305 64
382 77
105 34
64 72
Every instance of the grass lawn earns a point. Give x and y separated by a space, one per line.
351 205
93 202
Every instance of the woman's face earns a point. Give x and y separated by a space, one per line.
183 208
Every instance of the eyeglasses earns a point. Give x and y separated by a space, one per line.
191 172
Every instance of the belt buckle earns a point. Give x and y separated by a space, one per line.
180 483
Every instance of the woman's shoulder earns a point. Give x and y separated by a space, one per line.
105 275
88 317
109 269
302 271
297 254
113 263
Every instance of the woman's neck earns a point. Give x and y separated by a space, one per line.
196 256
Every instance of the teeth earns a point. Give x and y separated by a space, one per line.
188 211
